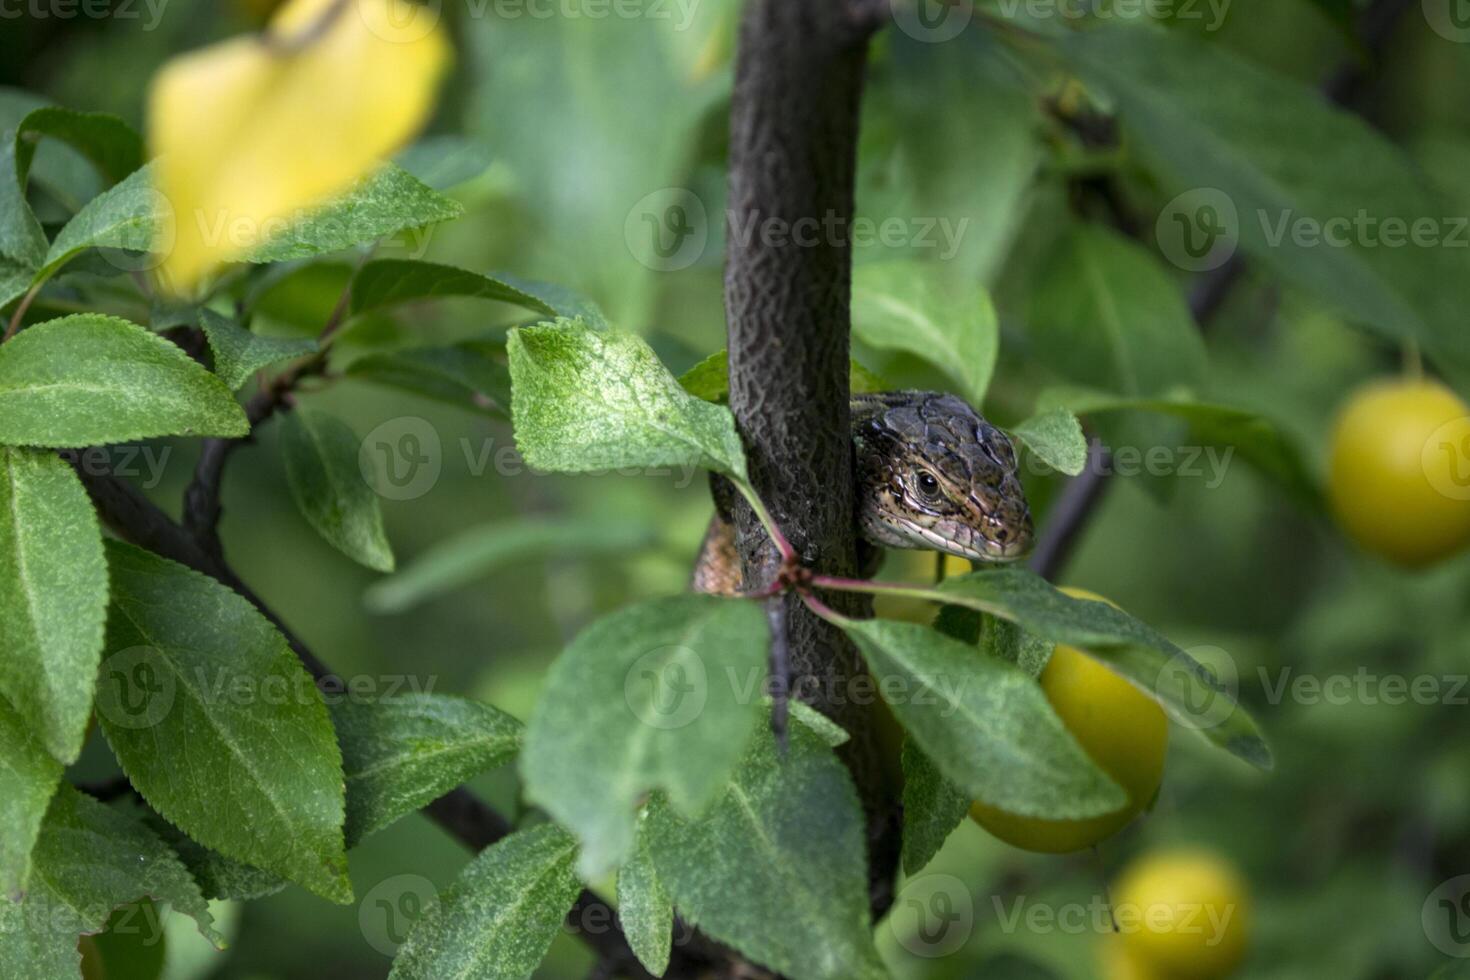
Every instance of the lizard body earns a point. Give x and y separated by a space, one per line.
930 473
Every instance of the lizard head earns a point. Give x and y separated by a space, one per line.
932 473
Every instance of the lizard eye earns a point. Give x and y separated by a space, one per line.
928 485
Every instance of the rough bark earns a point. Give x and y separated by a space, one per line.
793 139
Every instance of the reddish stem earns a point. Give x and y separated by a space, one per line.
822 609
855 584
20 312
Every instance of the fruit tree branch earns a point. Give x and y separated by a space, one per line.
460 813
793 156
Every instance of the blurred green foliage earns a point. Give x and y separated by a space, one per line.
1369 808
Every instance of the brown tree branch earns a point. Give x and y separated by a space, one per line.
459 813
793 151
1082 494
202 509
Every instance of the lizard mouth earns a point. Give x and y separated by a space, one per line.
994 551
966 542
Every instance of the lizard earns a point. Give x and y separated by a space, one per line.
930 473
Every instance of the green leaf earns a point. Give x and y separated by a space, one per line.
1186 690
933 807
239 353
566 301
479 551
919 308
1105 314
777 868
1008 641
710 379
388 282
660 695
219 877
645 909
123 217
471 375
111 145
53 597
401 754
861 381
961 183
22 242
499 917
89 861
320 452
831 733
638 110
986 724
388 202
16 104
88 379
28 778
1208 119
445 161
14 279
1259 440
599 400
67 176
199 693
166 312
965 625
1055 437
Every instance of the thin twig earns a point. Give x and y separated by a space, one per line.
20 311
1068 516
823 610
1083 494
773 530
202 508
137 519
859 584
460 813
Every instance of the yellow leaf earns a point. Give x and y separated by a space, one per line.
251 133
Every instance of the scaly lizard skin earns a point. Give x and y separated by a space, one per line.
931 474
